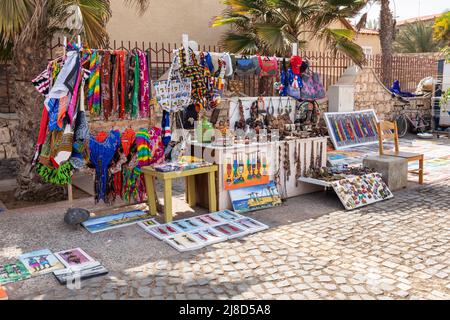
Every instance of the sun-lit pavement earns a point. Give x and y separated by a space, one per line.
397 249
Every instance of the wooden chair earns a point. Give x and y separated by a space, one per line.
387 130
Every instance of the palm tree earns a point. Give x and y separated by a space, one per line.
416 37
387 33
26 26
272 26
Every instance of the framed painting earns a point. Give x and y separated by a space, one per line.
13 272
116 220
245 169
256 197
40 262
74 258
350 129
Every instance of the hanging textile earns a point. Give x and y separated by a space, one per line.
150 148
134 185
120 59
165 125
42 82
105 81
115 71
93 95
127 139
135 86
144 88
80 149
101 154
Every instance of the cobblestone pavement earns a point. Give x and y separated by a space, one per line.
397 249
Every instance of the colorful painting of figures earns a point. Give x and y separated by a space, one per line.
245 169
74 258
256 197
117 220
349 129
40 262
359 191
13 272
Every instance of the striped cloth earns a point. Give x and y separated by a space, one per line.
93 95
143 147
150 149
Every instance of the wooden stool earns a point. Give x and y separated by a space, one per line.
150 174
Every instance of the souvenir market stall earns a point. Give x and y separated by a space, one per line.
103 114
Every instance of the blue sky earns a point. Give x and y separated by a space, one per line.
405 9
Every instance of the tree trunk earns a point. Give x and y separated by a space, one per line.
30 58
386 39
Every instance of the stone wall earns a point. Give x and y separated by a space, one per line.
8 153
371 94
8 124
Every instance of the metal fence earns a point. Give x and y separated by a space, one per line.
409 70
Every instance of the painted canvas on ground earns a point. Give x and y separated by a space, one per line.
245 169
187 225
226 215
185 242
251 225
208 220
13 272
117 220
200 231
231 230
256 197
208 236
147 223
40 262
359 191
163 231
349 129
74 258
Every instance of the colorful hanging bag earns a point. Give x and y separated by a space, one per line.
269 66
313 88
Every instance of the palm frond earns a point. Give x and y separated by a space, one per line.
96 14
240 43
341 40
416 37
14 15
362 22
140 5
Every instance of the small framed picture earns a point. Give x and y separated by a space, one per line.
74 258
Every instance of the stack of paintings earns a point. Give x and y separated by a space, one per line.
65 265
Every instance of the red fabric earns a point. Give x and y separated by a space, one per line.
118 184
101 136
127 139
43 127
121 64
296 63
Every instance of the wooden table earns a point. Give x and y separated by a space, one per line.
150 174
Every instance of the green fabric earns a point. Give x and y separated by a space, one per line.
135 100
60 176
